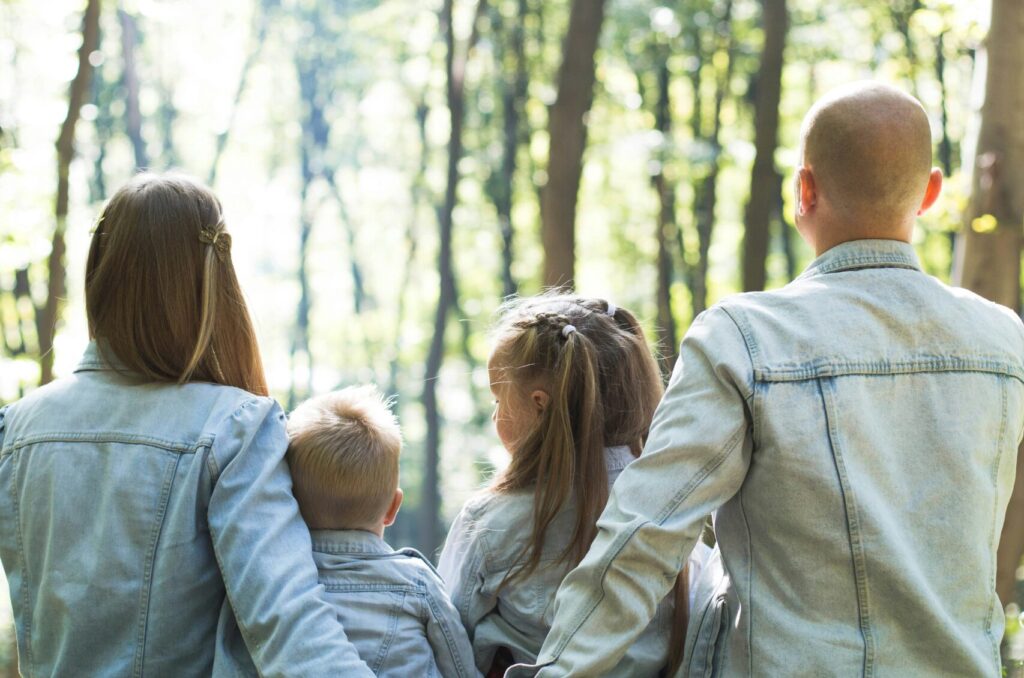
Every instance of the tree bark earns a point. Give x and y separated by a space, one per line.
130 82
763 182
567 130
988 257
56 287
455 68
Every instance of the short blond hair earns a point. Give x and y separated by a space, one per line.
343 453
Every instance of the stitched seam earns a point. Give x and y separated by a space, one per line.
389 638
181 448
25 574
853 530
145 593
712 464
823 369
750 589
987 622
752 351
445 631
367 588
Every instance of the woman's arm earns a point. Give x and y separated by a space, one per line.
265 555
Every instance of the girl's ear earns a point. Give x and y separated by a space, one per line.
540 399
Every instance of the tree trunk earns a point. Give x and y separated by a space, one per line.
567 129
988 257
260 21
455 68
130 82
763 182
56 288
705 192
666 227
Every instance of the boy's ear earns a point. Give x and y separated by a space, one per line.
540 399
396 503
931 193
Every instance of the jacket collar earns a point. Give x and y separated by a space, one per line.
96 359
343 542
857 254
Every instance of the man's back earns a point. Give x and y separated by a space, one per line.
855 434
886 412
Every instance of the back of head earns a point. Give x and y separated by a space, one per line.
868 146
343 453
160 288
604 385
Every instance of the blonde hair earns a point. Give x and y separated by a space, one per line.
161 292
343 453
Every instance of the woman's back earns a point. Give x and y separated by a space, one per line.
124 502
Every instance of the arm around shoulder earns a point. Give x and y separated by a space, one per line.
265 554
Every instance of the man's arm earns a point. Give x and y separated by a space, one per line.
696 459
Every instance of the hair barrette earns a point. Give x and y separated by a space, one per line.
612 308
217 238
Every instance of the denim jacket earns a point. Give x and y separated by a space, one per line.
141 521
856 432
393 606
486 540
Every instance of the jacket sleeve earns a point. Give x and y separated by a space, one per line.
696 459
448 639
461 566
265 553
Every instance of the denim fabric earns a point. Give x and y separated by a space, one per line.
485 542
139 521
393 606
856 433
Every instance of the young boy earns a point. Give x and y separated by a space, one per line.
343 453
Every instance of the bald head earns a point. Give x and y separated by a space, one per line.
869 149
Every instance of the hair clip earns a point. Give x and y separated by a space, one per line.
612 308
217 238
567 330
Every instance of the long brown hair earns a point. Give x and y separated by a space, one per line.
160 289
604 386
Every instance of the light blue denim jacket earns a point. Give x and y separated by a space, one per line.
856 432
128 509
393 606
485 541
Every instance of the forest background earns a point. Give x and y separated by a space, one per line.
391 170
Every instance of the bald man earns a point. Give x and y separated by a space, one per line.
854 435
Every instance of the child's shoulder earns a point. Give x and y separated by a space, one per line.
489 507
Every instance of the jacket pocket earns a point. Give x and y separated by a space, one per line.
707 654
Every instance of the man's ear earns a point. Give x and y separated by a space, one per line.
806 191
396 503
931 194
540 399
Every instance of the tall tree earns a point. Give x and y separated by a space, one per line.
57 283
567 131
988 257
705 188
764 182
130 83
455 70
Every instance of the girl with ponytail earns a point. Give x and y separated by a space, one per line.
575 389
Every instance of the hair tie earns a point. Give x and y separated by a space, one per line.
567 330
612 308
217 238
